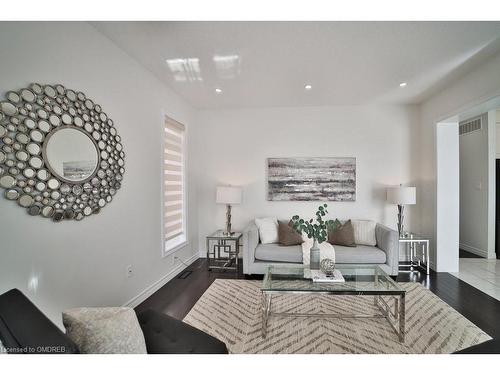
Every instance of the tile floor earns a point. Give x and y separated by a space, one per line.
483 274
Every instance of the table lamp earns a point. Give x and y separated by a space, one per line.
228 195
401 195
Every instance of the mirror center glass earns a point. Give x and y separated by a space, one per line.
71 155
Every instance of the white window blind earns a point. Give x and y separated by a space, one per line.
174 199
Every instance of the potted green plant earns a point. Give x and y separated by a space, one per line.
316 229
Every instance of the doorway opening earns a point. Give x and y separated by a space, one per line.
468 197
477 159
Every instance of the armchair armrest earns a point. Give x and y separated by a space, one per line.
388 241
25 329
250 242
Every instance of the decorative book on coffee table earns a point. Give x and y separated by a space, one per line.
319 276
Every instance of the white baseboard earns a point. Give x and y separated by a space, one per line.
146 293
474 250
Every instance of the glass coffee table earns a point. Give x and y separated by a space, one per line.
360 280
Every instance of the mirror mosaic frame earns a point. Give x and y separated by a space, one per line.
40 190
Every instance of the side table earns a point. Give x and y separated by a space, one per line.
223 251
418 247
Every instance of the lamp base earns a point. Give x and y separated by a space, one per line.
401 219
227 231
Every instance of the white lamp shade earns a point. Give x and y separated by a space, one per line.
228 195
402 195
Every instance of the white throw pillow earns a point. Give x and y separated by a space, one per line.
268 229
106 330
364 232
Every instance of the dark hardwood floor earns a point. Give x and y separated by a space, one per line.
467 254
180 294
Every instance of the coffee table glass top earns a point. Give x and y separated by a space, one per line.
369 279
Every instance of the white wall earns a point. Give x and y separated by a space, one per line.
448 198
67 264
476 87
232 147
474 190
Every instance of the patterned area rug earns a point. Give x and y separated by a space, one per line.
230 311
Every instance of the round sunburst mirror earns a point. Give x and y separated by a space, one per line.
60 154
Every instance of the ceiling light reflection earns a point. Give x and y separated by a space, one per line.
227 66
185 70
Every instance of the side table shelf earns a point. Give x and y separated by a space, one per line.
223 251
418 247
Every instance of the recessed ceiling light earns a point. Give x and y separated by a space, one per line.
403 84
308 87
218 90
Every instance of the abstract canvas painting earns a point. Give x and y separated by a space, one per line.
311 179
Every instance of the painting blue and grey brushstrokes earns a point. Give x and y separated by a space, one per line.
312 179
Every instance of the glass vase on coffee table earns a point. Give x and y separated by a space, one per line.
314 256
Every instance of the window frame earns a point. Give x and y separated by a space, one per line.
173 245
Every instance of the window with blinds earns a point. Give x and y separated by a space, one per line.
174 180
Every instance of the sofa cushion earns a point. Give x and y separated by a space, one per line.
287 235
343 254
342 235
277 253
268 229
361 254
166 335
364 232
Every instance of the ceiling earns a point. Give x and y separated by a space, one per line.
264 64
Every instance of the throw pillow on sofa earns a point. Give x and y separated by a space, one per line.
268 229
287 236
342 235
107 330
364 232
